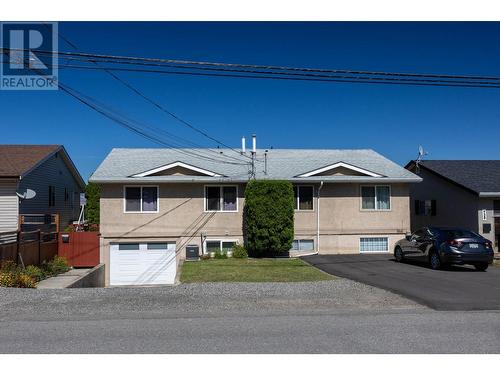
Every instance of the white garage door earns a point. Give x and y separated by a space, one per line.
142 263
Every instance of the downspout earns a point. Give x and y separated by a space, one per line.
317 218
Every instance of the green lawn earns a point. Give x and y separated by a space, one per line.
250 270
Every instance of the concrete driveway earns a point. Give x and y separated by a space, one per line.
456 288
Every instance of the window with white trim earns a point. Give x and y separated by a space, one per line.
373 244
376 197
303 195
219 246
141 199
221 198
303 245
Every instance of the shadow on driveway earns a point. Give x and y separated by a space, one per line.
454 288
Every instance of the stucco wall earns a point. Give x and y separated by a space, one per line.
181 218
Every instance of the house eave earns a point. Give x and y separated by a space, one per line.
489 194
326 180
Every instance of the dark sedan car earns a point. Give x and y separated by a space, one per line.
445 246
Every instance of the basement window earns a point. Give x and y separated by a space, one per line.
219 246
303 245
373 244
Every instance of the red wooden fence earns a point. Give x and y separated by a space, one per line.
81 249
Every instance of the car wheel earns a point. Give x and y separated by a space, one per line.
434 261
398 254
481 267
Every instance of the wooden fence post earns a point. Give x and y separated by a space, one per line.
18 244
56 218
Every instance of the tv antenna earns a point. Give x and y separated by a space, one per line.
421 154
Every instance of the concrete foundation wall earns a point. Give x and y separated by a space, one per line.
95 278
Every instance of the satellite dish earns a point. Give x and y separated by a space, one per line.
28 194
420 151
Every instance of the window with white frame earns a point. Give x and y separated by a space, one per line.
219 246
303 197
373 244
141 199
303 245
221 198
376 197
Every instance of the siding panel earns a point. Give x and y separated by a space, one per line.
53 172
8 206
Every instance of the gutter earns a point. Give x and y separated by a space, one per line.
317 218
143 180
489 194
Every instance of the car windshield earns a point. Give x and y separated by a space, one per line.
458 233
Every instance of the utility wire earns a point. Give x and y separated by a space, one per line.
272 67
93 104
96 106
334 80
293 76
316 77
157 105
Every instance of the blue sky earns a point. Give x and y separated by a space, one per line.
451 123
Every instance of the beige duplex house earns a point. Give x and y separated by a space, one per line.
156 202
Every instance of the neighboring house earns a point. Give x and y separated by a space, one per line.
461 193
45 169
154 202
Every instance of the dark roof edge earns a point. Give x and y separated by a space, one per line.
413 162
68 161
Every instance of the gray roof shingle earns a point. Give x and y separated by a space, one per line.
287 164
480 176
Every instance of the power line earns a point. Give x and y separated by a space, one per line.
272 67
242 73
127 123
157 105
288 74
93 104
334 80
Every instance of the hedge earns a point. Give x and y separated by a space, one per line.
268 217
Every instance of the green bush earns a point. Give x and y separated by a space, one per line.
8 266
220 255
25 281
13 275
268 217
35 272
7 279
93 195
17 277
56 266
239 251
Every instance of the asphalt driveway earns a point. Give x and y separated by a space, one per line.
456 288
